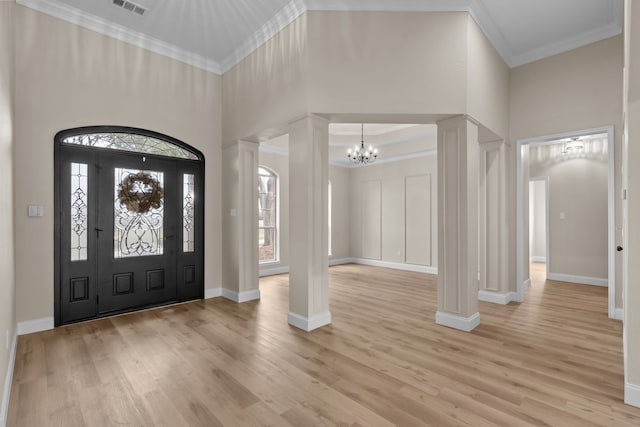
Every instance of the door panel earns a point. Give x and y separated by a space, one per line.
136 250
77 292
190 268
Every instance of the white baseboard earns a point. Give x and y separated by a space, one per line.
594 281
212 293
396 265
538 259
310 323
466 324
232 295
632 394
245 296
526 284
497 298
362 261
35 325
273 271
6 394
339 261
619 314
285 269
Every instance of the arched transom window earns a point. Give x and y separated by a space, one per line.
136 143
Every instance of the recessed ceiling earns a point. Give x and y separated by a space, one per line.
217 34
368 128
394 141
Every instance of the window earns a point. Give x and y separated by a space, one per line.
267 215
329 215
134 142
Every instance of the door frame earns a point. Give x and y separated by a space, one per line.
522 282
544 179
58 144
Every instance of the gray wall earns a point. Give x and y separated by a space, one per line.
391 216
394 216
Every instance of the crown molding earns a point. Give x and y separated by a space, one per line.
390 159
389 128
286 16
347 164
566 45
297 8
102 26
481 16
398 140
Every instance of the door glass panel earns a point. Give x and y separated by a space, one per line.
131 142
79 211
138 213
188 232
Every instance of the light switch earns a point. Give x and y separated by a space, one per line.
563 215
233 212
35 210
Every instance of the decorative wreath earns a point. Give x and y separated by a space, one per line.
140 192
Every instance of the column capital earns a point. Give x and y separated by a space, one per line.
314 119
455 121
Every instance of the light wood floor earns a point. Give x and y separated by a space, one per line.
555 360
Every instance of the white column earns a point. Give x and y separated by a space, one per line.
458 224
494 226
308 260
240 222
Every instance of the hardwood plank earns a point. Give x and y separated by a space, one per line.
554 360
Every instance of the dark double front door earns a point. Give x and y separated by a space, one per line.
129 231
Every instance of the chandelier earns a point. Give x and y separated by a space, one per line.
360 155
572 145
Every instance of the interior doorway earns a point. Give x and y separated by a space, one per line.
523 151
129 222
538 222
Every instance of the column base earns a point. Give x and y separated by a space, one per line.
241 296
466 324
497 298
310 323
632 395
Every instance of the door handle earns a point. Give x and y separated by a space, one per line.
619 248
170 237
98 231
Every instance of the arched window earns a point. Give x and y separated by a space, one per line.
267 215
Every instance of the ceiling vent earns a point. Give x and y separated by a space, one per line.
130 6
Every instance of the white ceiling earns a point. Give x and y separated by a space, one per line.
217 34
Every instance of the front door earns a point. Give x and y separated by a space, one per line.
129 232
